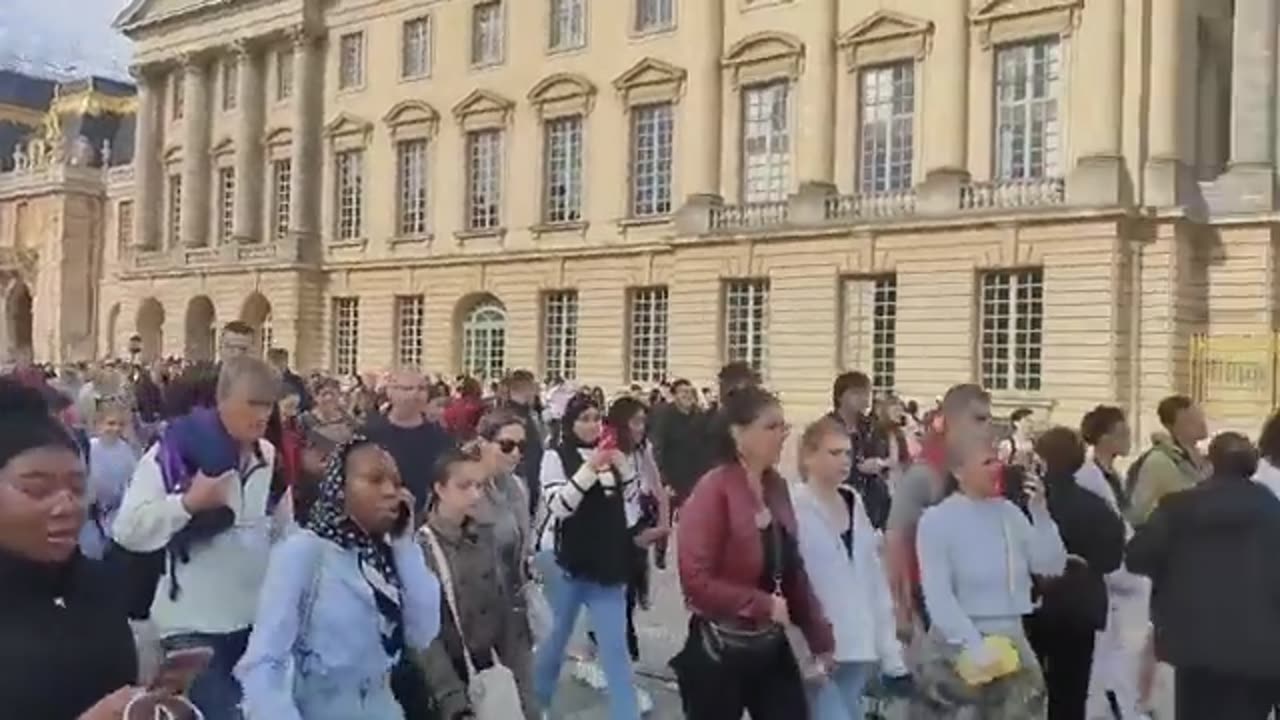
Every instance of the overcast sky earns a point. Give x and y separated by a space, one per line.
64 38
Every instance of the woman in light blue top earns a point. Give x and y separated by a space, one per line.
978 553
342 600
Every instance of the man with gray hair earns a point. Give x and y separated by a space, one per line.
203 495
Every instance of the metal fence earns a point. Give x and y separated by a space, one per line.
1236 375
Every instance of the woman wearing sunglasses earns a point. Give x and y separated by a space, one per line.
504 499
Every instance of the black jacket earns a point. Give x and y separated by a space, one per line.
1211 553
1092 532
66 639
681 446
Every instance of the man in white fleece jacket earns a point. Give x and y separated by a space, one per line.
217 588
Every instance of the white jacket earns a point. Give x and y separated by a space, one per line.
854 592
219 587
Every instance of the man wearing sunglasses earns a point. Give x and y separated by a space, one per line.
405 433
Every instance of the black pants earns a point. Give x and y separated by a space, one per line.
710 690
1208 695
1065 651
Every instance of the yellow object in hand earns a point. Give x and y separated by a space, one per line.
1005 661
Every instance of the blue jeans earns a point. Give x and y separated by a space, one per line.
840 696
552 576
215 691
607 612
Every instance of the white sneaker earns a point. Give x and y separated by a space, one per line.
590 672
644 700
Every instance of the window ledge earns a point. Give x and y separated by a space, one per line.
353 90
358 244
497 233
411 239
486 65
651 33
646 221
1013 399
408 79
578 227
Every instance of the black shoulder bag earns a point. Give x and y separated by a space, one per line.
724 642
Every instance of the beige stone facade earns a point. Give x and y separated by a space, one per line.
1071 201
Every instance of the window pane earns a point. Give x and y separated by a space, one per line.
346 335
563 158
411 161
560 334
887 127
746 319
766 143
648 334
1028 86
410 318
652 145
484 179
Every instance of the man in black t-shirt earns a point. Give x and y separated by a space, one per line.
405 433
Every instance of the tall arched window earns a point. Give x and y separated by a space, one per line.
484 340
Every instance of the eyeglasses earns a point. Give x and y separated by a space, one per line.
510 446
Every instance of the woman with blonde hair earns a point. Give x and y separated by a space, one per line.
841 553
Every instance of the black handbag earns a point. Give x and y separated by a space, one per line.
724 642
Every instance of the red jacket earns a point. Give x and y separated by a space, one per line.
721 557
462 415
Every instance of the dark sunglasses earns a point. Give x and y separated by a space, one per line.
510 446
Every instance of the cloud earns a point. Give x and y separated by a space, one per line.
63 38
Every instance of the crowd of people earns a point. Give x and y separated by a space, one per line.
404 547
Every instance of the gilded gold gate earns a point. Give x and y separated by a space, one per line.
1236 375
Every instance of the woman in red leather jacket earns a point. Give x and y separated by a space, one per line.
742 576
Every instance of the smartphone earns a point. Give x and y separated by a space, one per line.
608 439
180 668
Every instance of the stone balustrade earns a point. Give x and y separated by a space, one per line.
749 216
870 206
1012 194
221 256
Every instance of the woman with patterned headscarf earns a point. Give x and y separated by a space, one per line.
343 601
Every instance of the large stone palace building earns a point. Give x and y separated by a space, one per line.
1069 201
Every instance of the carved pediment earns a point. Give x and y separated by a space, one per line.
885 36
563 93
141 13
484 107
763 47
172 154
999 21
224 146
411 112
648 73
347 124
277 137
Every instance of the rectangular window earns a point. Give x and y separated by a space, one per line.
226 203
351 61
746 322
887 127
884 333
346 335
568 24
411 313
1012 329
869 327
560 333
175 210
124 224
284 74
281 188
415 48
766 143
411 172
1028 86
486 33
484 180
652 143
230 83
349 174
563 201
647 335
178 87
652 15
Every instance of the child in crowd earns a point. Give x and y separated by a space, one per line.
111 463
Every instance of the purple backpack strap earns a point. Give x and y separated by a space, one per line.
172 468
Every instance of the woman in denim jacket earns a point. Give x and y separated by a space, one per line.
343 599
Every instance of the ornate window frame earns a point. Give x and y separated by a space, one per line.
278 143
563 95
650 81
410 120
998 23
484 110
346 132
760 58
884 37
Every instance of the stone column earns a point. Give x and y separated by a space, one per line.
1249 181
817 91
249 162
1166 172
195 153
147 200
1097 177
702 102
304 189
947 87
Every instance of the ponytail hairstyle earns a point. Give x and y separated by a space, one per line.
737 409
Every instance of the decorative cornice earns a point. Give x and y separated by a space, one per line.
999 21
886 35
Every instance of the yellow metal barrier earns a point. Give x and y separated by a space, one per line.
1236 375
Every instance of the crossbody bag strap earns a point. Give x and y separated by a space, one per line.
1008 551
446 579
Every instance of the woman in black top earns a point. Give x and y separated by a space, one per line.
1073 607
67 652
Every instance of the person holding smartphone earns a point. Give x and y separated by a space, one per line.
343 600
